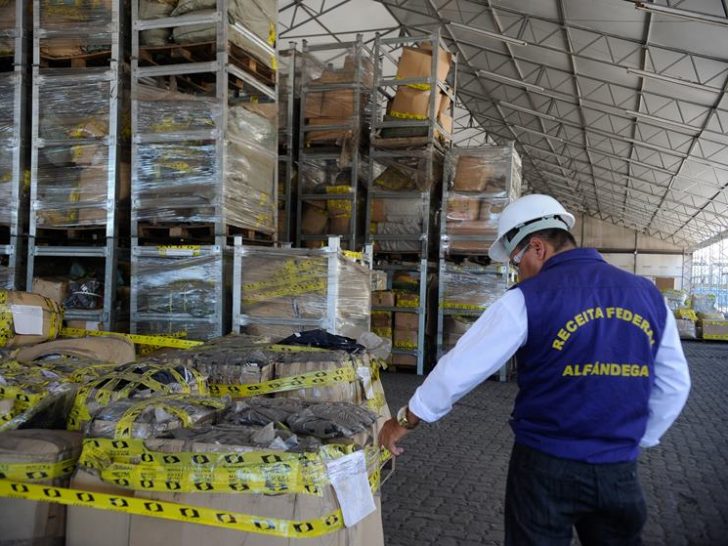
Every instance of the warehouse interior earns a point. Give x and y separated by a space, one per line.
237 235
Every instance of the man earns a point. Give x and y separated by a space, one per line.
601 373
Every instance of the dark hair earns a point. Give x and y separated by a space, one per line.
558 238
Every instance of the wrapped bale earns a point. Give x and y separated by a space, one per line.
154 417
24 456
28 319
155 9
139 380
62 19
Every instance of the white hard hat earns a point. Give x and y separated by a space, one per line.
528 214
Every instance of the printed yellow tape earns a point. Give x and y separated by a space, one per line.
37 471
464 306
160 341
175 511
404 115
179 250
321 378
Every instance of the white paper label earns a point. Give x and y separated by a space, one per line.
348 476
27 319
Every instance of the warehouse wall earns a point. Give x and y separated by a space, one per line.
634 252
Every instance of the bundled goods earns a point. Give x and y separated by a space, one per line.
154 417
41 457
471 289
27 319
686 328
73 177
180 181
676 299
8 138
137 380
280 286
75 27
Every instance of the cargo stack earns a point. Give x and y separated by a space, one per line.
411 126
710 323
278 292
204 118
15 20
479 183
79 178
336 81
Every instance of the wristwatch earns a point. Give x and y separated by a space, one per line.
402 419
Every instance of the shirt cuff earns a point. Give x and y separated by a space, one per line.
417 407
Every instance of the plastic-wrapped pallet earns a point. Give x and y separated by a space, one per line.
30 522
72 178
323 286
61 20
257 16
471 288
177 179
8 144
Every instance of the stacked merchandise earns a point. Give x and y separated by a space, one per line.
204 149
711 323
479 184
80 173
289 95
279 292
250 28
685 316
14 65
336 82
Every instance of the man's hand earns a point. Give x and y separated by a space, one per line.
390 434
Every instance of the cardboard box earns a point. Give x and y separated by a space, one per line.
313 220
416 62
473 227
53 288
407 321
326 135
404 360
313 104
412 103
339 103
474 173
35 319
460 208
470 247
339 224
665 283
28 522
405 339
715 329
92 194
408 299
381 319
383 299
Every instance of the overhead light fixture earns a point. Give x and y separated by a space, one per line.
663 121
671 79
512 81
494 35
528 110
682 14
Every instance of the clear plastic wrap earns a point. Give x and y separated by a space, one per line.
8 145
84 22
154 417
257 16
190 329
337 107
493 171
179 285
177 178
138 380
472 288
675 299
703 303
279 286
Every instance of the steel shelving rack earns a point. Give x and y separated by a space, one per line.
342 154
99 71
289 95
467 281
14 65
423 156
239 67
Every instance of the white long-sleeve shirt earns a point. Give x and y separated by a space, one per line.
502 329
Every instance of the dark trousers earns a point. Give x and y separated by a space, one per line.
548 496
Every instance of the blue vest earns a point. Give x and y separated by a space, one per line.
587 368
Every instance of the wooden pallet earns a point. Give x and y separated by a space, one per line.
205 52
99 58
200 233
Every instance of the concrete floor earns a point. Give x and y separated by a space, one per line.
448 486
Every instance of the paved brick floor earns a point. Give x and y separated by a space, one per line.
448 486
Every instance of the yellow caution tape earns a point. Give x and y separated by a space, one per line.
179 250
464 306
125 425
271 34
160 341
37 471
404 115
321 378
175 511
